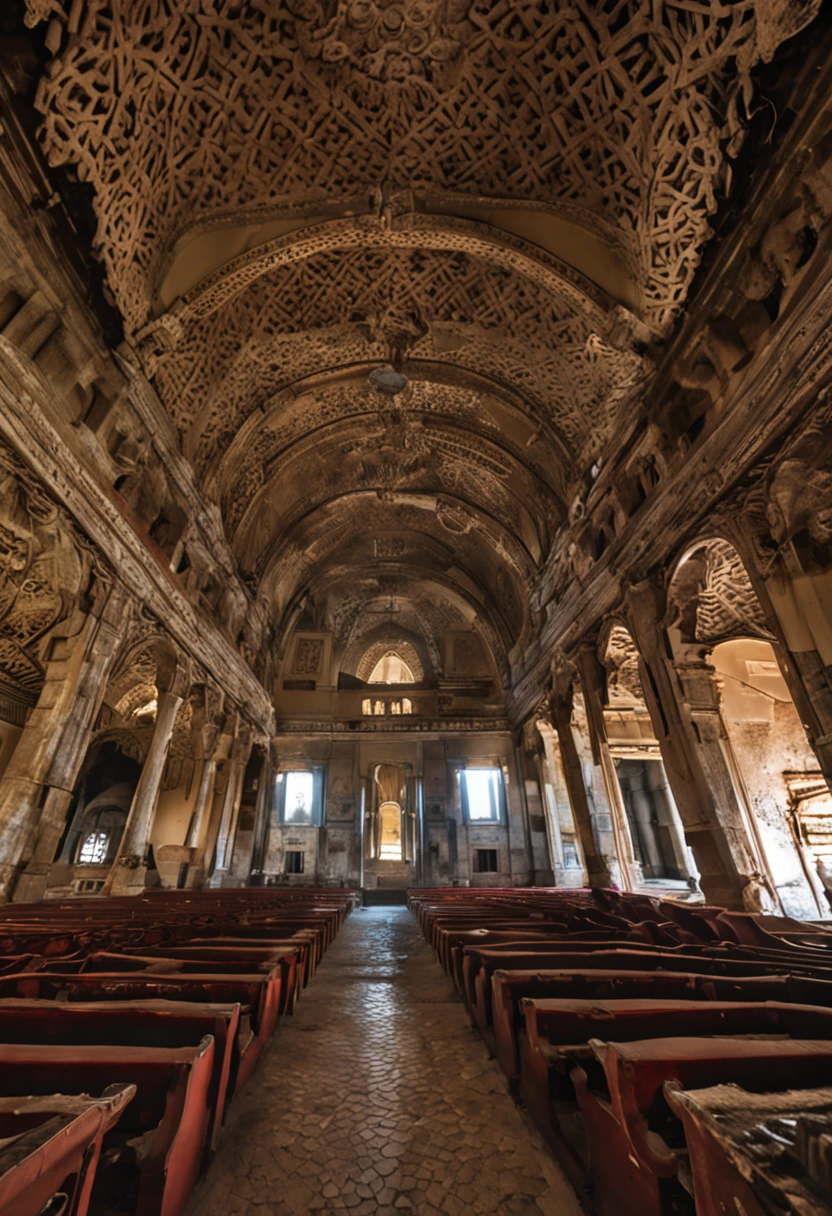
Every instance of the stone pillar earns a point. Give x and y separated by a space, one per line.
37 787
215 742
262 815
550 776
591 674
207 740
240 752
198 826
129 870
602 871
683 700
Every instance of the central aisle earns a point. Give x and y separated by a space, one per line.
378 1098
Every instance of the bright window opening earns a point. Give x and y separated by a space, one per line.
391 831
391 669
94 849
482 790
400 706
299 797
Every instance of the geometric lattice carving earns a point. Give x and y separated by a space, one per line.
337 310
440 438
618 114
713 598
728 605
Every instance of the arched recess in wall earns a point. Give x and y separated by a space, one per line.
655 827
103 794
98 812
364 653
727 658
395 662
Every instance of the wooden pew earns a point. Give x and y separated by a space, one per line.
50 1148
755 1153
510 987
137 1024
170 1108
557 1033
258 995
633 1167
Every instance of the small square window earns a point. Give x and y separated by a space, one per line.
486 861
294 862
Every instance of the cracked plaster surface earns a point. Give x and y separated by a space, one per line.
377 1098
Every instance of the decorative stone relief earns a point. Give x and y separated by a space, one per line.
621 662
483 319
308 655
45 566
712 597
521 91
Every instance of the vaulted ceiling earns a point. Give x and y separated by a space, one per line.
503 202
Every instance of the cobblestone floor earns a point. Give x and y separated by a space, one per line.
378 1098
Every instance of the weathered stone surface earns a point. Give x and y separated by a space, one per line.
377 1097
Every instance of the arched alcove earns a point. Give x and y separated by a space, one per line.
391 663
655 827
723 646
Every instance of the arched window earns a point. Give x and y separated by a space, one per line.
367 705
100 836
391 669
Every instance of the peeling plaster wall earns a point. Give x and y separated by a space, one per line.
173 814
769 741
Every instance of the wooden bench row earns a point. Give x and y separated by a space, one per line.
147 1016
628 1026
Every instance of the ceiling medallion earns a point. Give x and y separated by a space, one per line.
385 43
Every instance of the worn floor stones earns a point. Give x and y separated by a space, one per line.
377 1099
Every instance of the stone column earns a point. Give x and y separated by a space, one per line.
591 674
683 700
129 871
261 819
602 871
217 749
37 787
198 826
550 771
240 752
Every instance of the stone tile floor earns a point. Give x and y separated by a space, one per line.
377 1097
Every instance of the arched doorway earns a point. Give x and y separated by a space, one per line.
653 821
390 826
98 813
728 661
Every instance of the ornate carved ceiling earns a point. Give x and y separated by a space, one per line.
503 201
618 115
445 309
